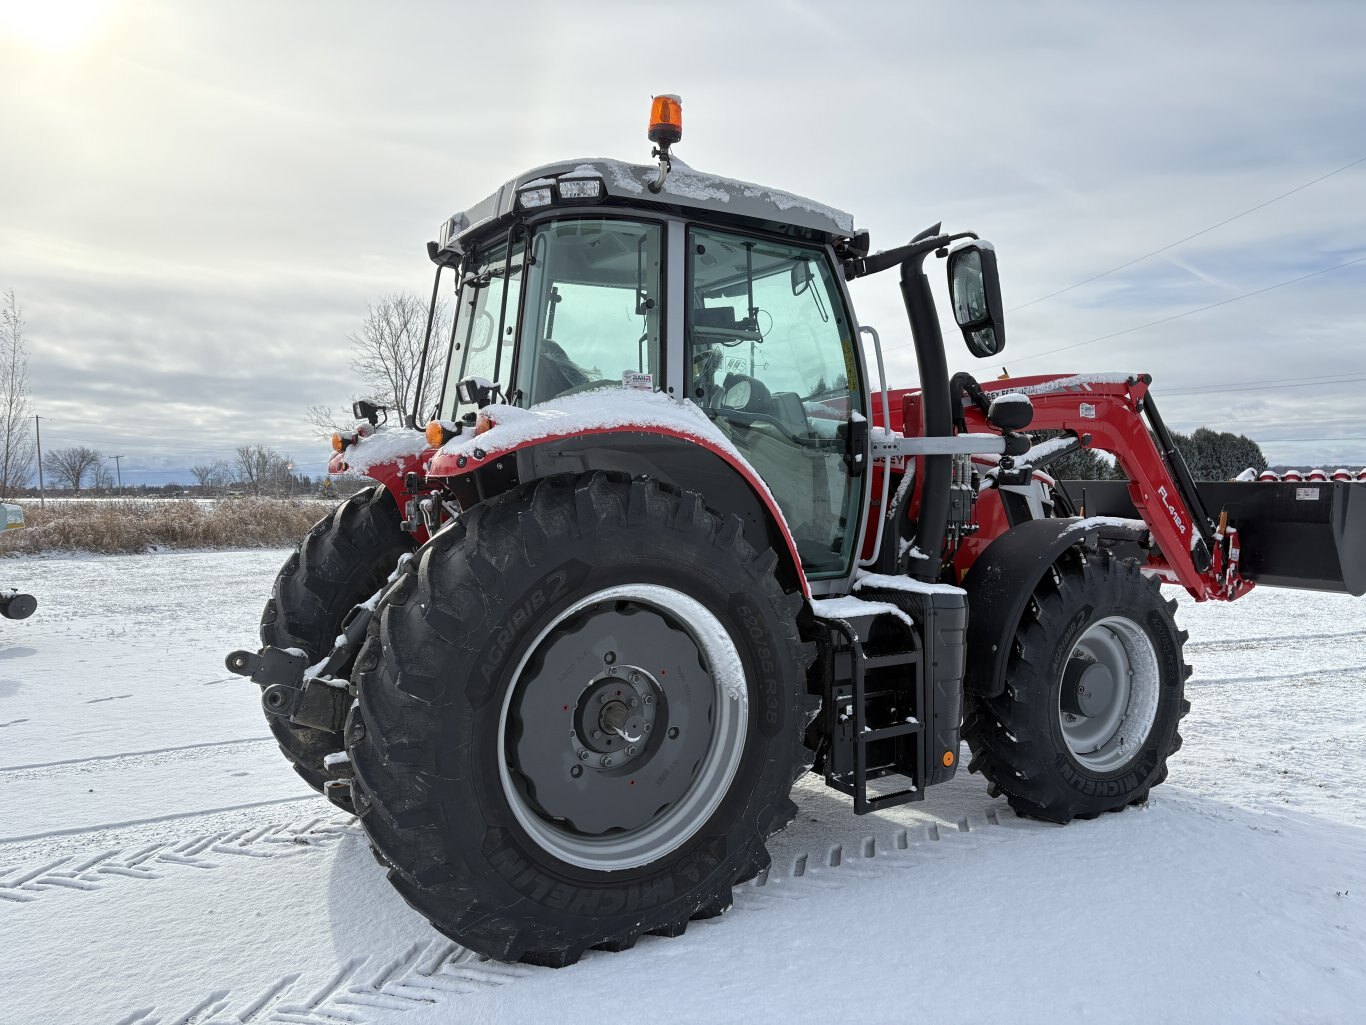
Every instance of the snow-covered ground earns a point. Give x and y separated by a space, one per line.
159 862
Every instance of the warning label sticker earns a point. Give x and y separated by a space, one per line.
636 381
1306 494
1088 411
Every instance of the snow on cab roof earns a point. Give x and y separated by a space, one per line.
683 187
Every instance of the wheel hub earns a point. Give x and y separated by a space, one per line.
619 734
1088 686
614 716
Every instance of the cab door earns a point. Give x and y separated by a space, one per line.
772 361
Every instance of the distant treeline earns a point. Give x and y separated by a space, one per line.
1211 455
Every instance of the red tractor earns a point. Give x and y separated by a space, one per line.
667 544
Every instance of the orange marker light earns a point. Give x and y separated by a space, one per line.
666 120
337 445
435 434
948 759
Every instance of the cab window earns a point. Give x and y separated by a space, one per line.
772 363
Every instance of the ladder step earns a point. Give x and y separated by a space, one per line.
887 732
905 658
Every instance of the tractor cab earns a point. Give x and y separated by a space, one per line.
605 279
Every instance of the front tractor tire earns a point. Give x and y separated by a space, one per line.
581 709
1093 697
344 559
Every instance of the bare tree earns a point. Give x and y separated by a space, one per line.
212 476
70 467
16 412
101 477
385 354
261 470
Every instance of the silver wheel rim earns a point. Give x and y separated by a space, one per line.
1121 719
719 672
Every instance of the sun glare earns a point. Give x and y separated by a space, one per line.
54 26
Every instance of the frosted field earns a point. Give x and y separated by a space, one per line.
160 863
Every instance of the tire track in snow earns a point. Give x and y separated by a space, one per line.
25 884
106 826
421 976
129 754
1252 643
433 973
1357 669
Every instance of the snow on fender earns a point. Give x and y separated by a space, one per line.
512 428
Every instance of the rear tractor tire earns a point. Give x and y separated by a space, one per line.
581 709
1093 697
344 559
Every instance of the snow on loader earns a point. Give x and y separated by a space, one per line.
666 545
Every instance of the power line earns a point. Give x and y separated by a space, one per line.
1261 387
1202 231
1269 422
1188 313
1320 378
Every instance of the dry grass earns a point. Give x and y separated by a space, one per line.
130 527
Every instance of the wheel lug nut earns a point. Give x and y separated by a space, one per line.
649 727
576 771
673 732
648 699
607 761
630 750
635 677
583 756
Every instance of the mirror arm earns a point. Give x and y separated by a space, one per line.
410 420
863 266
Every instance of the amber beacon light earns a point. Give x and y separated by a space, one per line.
666 120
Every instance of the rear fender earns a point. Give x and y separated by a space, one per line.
1003 578
728 484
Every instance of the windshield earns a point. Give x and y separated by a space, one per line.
484 335
594 308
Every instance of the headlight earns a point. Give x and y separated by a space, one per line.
580 189
531 199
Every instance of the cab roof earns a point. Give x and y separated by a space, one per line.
684 188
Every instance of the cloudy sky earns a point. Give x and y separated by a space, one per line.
197 200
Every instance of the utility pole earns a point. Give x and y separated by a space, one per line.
37 433
119 467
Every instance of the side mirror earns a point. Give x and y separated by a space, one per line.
800 277
975 287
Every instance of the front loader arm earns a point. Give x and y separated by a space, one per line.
1115 414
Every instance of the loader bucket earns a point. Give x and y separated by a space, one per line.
1310 536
